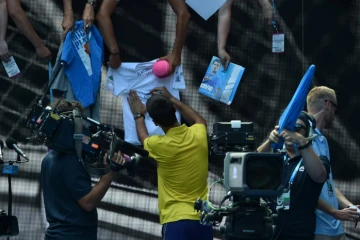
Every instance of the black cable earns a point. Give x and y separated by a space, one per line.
54 73
224 199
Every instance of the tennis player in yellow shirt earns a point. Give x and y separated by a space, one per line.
182 158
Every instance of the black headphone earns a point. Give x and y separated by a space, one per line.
310 122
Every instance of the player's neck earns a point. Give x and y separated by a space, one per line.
165 129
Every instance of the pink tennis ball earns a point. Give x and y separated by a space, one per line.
161 68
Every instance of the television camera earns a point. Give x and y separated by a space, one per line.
252 182
66 132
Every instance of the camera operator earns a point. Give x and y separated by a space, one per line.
70 200
182 159
306 172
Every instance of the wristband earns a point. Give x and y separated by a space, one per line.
304 146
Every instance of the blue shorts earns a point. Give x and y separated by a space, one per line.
186 230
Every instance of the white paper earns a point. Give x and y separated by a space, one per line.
205 8
278 43
11 67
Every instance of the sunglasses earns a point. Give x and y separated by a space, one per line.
332 103
298 127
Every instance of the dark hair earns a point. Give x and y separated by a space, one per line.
161 110
62 105
216 60
309 121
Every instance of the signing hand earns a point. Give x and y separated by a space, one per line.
135 103
163 91
173 60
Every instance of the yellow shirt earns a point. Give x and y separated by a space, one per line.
182 157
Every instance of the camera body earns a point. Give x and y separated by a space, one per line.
62 131
251 180
57 132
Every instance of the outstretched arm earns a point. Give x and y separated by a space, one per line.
103 18
183 17
19 17
267 10
224 22
4 51
88 15
68 20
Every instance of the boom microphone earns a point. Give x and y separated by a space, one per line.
12 144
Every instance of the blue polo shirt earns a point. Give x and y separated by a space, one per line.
83 54
325 223
65 181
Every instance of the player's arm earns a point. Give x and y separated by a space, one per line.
141 129
139 110
189 114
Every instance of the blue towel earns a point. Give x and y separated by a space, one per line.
294 108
